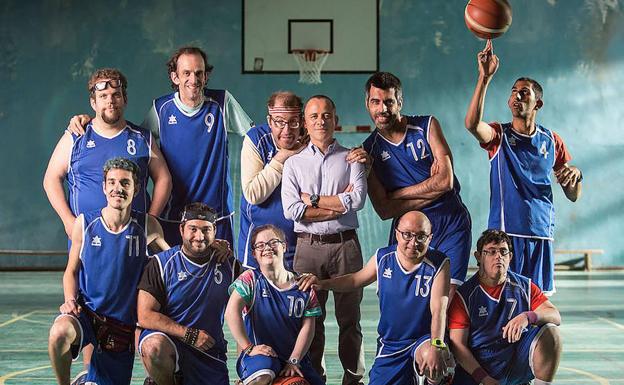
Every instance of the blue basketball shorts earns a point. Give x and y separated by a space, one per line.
106 368
534 258
196 366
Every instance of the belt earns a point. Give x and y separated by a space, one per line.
329 238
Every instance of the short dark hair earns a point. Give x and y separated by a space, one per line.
286 98
537 88
107 73
319 96
385 81
493 236
279 232
123 164
198 210
172 63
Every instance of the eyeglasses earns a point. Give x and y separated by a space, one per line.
281 124
272 243
493 252
408 236
101 86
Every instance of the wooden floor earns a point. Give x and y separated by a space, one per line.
591 304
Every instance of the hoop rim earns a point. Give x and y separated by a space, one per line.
313 50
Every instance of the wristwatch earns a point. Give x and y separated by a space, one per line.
314 199
438 343
293 361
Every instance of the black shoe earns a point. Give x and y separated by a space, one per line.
80 379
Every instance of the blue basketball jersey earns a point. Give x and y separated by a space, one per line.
404 298
521 200
408 163
269 211
112 264
488 315
196 294
274 316
196 151
88 155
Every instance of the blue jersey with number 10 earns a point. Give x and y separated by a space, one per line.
404 298
112 264
88 155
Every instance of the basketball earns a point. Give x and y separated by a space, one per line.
488 19
295 380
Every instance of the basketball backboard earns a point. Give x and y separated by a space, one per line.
348 29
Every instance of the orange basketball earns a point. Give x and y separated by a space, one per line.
295 380
488 19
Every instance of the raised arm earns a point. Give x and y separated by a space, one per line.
155 234
53 181
159 172
441 179
488 65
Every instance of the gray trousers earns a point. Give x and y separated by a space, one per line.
327 260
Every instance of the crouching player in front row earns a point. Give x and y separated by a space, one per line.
502 326
106 259
413 283
269 317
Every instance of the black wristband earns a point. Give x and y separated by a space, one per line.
190 336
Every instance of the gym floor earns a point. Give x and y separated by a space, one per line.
591 305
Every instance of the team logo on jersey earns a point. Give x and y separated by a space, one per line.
96 241
543 150
270 155
512 140
209 120
387 273
90 143
385 155
265 294
172 119
482 311
182 276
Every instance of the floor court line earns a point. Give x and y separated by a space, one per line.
617 325
601 380
15 374
15 319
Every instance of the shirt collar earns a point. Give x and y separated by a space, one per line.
332 147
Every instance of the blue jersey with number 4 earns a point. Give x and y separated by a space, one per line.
112 264
89 153
404 298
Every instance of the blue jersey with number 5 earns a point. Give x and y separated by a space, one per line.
88 155
111 265
404 298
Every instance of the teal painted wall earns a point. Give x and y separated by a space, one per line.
575 48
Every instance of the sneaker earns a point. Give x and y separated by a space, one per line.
149 381
80 379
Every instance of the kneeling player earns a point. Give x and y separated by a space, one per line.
182 297
412 284
106 259
502 326
278 324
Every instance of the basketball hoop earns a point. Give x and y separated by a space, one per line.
310 62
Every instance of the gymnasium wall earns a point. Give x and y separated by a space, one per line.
575 48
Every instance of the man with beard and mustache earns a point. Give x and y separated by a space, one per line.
182 297
79 158
192 124
413 170
522 156
503 329
413 283
106 260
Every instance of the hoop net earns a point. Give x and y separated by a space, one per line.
310 63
